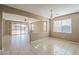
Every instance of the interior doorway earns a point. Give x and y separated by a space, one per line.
16 37
16 33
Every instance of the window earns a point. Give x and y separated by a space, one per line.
45 26
19 33
18 29
62 26
32 26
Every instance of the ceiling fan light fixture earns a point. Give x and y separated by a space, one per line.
51 14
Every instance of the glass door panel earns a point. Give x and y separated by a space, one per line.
19 33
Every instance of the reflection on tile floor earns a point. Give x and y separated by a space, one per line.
45 46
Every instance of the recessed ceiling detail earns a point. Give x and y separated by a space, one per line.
14 17
44 9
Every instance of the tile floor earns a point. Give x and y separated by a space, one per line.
44 46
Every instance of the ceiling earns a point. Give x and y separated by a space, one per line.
44 9
14 17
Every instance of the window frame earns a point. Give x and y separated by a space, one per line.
18 28
61 26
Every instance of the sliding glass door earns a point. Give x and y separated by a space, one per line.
19 33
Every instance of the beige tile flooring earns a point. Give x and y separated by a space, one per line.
44 46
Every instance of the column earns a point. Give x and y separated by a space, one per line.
49 27
0 30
